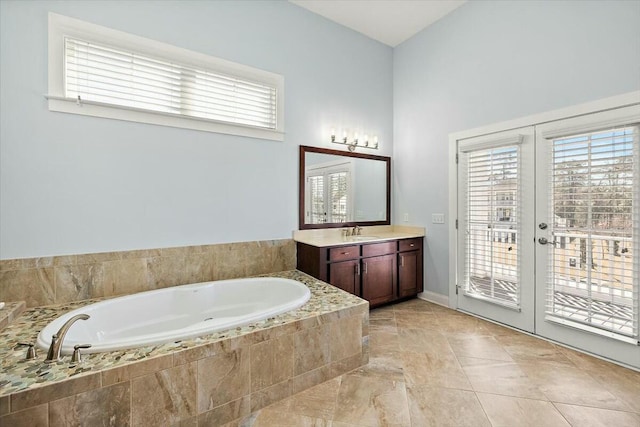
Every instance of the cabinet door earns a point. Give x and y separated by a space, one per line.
408 273
346 276
379 279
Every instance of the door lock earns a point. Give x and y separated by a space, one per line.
542 226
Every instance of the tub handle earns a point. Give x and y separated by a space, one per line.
77 357
31 351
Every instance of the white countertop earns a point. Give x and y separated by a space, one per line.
333 236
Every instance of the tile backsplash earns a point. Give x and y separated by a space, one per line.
62 279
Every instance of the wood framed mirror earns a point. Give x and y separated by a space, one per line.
343 189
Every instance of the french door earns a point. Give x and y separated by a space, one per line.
328 193
495 210
549 230
587 236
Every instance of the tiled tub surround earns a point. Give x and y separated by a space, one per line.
64 279
206 381
10 312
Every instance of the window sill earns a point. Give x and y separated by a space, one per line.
97 109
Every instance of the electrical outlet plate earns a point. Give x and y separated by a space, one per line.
437 218
405 218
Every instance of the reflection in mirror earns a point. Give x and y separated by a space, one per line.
339 188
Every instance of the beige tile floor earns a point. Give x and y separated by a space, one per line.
431 366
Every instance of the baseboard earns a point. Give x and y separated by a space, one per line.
435 298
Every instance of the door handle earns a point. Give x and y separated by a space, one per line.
357 269
544 241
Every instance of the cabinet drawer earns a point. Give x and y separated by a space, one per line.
344 253
410 244
378 249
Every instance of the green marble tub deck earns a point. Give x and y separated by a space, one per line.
18 374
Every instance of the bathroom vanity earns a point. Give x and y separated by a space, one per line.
380 270
346 192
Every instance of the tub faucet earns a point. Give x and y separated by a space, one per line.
56 339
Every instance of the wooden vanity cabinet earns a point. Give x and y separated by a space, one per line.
379 272
379 279
344 268
410 279
346 276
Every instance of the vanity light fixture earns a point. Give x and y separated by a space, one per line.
355 142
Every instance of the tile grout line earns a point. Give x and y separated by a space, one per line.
561 413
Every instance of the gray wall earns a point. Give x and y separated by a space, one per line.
75 184
492 61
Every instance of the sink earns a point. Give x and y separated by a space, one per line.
359 238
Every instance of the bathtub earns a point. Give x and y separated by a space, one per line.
177 313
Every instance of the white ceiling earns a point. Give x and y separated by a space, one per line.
388 21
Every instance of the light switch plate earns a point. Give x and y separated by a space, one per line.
437 218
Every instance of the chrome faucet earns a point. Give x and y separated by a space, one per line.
56 339
357 231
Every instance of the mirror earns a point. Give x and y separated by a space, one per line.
339 189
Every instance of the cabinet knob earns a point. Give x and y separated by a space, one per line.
411 245
344 253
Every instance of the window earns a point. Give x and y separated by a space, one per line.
101 72
503 214
592 279
328 193
315 186
491 179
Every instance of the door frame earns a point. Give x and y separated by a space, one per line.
564 336
626 99
604 343
522 316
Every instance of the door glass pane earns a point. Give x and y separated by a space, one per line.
593 195
316 190
492 224
338 196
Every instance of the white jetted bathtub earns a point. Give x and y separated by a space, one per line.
180 312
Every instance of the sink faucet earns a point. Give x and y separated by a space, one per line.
357 230
56 339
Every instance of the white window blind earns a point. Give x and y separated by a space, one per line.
594 191
492 187
328 196
318 213
99 73
338 194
